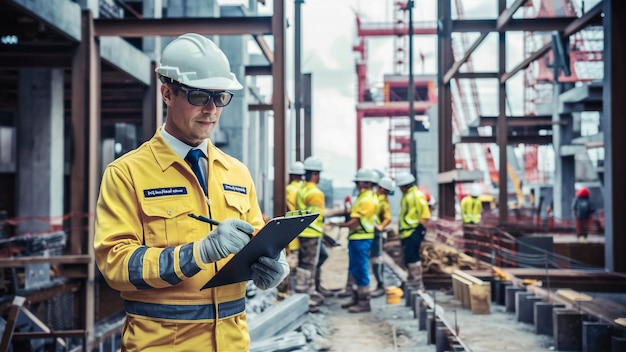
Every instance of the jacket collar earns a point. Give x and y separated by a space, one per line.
166 156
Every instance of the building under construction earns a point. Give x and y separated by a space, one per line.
79 90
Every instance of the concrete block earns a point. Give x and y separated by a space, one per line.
509 301
423 317
596 336
525 307
567 329
442 343
543 317
500 291
618 344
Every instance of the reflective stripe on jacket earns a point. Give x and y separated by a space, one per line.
311 198
364 209
413 209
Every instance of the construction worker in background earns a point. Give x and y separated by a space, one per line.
472 207
412 222
296 174
361 226
146 245
310 198
383 213
583 210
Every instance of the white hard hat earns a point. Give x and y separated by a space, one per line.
379 174
366 175
195 61
313 163
387 183
475 191
297 168
404 179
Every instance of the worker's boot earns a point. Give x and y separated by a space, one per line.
303 278
313 294
377 268
415 276
347 292
318 285
354 299
283 288
363 304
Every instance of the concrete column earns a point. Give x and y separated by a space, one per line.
567 329
596 336
500 291
543 317
235 120
40 145
509 300
525 307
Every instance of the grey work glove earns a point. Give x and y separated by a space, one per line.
268 272
229 237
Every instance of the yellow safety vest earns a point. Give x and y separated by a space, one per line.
471 209
311 198
413 208
364 209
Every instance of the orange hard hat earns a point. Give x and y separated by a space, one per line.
583 193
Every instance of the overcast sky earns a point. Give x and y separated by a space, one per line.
328 34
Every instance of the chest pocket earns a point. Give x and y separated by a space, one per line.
166 223
237 203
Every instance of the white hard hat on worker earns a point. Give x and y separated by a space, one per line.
196 77
297 168
313 163
195 61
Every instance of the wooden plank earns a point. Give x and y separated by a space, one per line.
480 298
573 296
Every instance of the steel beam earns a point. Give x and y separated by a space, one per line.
171 27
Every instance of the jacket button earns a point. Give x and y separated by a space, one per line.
169 212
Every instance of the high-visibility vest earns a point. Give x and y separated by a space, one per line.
471 209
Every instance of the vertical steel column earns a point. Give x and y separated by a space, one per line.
444 103
298 77
85 169
307 99
502 129
279 106
411 96
614 110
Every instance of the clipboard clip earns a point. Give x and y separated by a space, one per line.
297 213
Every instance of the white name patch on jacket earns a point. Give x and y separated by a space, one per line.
233 188
167 191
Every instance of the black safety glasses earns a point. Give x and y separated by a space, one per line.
201 97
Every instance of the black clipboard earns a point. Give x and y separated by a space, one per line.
269 241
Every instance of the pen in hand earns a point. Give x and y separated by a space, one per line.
204 219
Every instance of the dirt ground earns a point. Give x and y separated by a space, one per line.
392 327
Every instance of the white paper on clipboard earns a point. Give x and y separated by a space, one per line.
269 241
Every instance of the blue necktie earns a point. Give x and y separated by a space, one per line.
193 157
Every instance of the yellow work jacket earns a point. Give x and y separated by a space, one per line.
471 210
291 192
146 245
311 198
413 209
383 209
364 209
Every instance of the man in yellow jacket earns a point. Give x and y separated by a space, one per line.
412 222
310 198
384 189
296 174
146 244
471 208
361 225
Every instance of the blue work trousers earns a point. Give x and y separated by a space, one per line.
359 264
411 245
